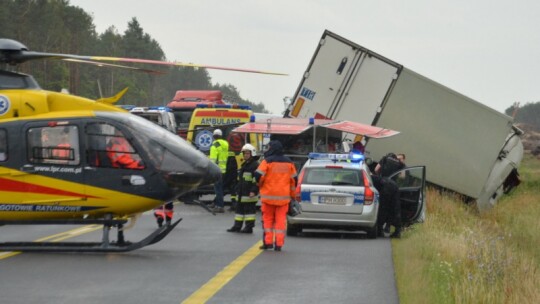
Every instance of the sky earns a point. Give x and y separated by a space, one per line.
484 49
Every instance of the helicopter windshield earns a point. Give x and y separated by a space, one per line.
166 150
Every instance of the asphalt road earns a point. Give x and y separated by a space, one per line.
200 262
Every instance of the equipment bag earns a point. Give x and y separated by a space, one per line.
294 208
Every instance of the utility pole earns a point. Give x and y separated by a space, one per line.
516 107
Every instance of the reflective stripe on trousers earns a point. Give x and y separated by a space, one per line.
274 223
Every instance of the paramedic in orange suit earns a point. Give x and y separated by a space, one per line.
63 152
115 150
277 182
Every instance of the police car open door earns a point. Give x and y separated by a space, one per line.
412 193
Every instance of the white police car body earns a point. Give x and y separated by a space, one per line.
336 192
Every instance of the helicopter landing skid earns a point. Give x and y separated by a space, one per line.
203 205
104 246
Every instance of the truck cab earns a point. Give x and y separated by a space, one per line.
186 101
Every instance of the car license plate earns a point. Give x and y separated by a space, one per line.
332 200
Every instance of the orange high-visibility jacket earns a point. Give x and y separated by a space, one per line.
119 159
63 152
277 182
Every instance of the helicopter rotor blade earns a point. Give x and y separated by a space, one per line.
13 52
101 64
177 63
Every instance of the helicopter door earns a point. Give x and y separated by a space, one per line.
412 183
112 161
52 163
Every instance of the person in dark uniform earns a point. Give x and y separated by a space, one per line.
247 192
390 205
389 165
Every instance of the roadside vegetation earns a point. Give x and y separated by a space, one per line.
461 256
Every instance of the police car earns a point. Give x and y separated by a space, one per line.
336 191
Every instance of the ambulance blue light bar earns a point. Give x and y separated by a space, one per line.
220 106
353 157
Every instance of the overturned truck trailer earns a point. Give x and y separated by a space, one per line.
466 146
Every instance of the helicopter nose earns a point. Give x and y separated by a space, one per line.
213 174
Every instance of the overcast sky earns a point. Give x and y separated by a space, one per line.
485 49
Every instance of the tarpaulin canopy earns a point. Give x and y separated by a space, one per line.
361 129
295 126
289 126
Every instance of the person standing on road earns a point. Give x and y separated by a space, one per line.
164 213
219 153
390 206
247 192
277 182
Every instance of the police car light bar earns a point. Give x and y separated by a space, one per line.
353 157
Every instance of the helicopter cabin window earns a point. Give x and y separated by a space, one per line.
54 145
3 145
109 148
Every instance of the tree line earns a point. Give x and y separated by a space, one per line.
55 26
529 113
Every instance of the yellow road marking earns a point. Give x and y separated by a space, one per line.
56 238
221 279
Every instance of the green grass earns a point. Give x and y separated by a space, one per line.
460 256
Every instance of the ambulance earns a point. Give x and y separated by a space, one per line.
206 118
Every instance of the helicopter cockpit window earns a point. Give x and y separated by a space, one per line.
3 145
54 145
108 147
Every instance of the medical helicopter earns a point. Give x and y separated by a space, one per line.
66 159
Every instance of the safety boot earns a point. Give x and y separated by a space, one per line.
218 210
236 227
246 230
266 247
277 248
396 234
249 227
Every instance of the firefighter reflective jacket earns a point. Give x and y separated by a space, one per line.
219 152
247 182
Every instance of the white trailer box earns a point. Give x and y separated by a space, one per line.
466 146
